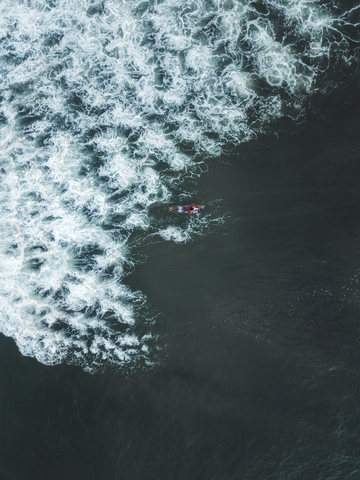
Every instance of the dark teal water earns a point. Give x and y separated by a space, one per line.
261 319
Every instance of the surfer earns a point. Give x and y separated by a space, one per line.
186 209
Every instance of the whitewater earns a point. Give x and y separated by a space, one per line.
106 108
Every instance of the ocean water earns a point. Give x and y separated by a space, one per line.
107 110
136 343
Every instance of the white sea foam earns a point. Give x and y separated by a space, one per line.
105 107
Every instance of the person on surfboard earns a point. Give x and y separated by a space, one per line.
186 209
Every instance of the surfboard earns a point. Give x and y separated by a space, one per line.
186 208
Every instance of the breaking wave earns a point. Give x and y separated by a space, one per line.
105 108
